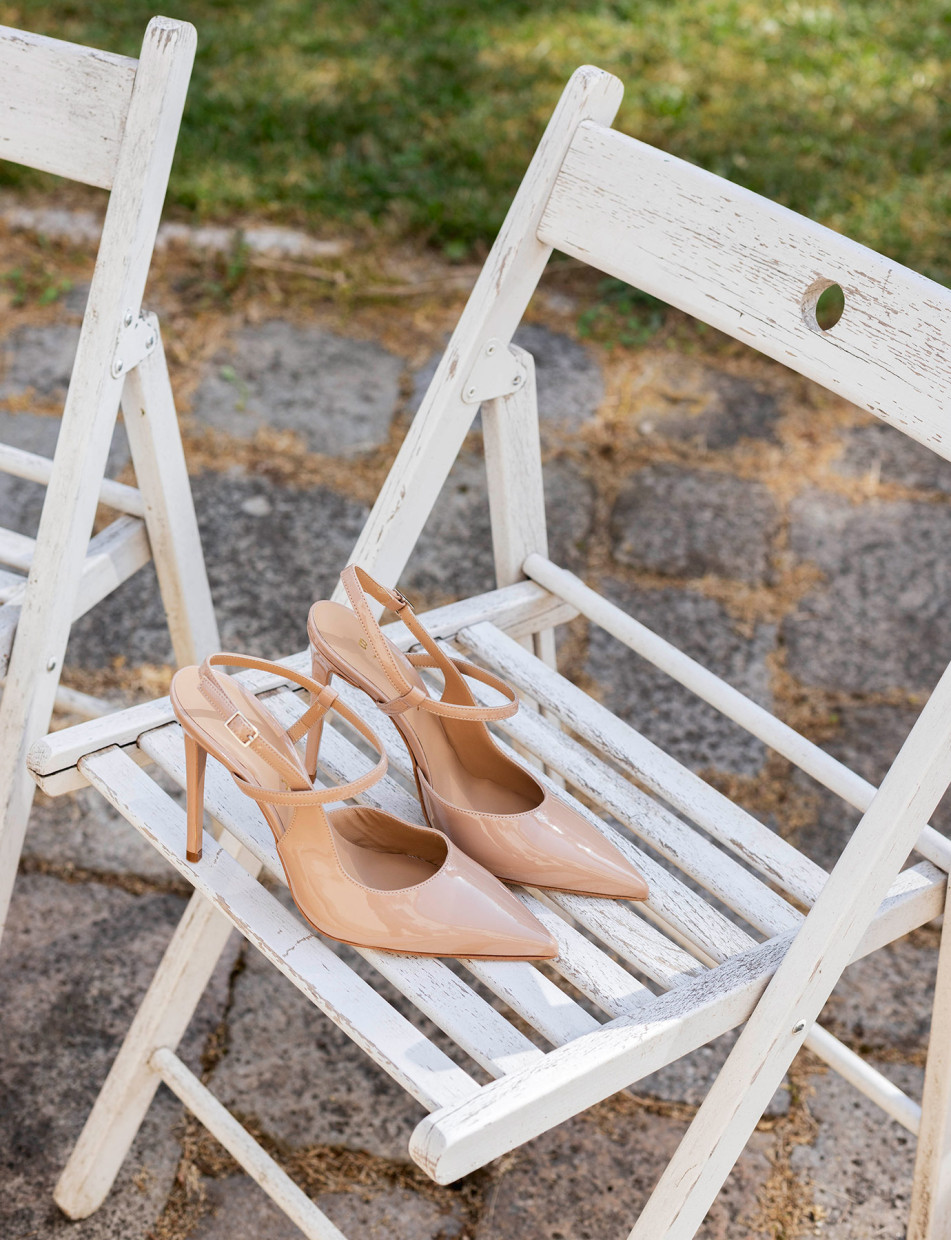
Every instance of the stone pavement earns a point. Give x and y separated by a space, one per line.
760 524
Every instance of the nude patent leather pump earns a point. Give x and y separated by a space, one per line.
485 802
357 874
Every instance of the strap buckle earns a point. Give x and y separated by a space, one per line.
251 731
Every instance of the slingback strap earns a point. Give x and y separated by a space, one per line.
245 732
451 710
358 583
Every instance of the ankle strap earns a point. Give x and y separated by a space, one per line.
358 583
244 731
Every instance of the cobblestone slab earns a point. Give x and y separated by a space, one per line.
301 1078
686 523
38 360
588 1179
339 395
859 1168
453 557
885 454
657 706
270 551
244 1212
883 621
82 831
691 403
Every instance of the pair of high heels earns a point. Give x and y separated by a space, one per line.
361 875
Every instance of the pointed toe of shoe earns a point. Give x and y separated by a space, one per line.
588 863
486 919
551 846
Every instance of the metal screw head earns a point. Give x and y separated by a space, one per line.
150 340
51 665
799 1026
470 392
127 319
489 350
118 366
517 381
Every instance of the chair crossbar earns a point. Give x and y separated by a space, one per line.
114 554
65 106
754 270
243 1148
9 582
16 550
749 715
36 468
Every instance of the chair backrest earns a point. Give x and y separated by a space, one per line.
63 107
755 270
739 262
112 122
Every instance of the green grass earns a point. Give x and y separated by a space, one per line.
419 116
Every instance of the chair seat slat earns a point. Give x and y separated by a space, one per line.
425 1071
435 990
755 719
687 792
716 870
640 944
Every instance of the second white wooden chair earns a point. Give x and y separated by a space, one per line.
111 122
676 973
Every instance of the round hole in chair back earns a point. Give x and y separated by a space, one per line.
829 307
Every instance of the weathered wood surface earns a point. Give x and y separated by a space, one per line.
754 270
63 107
519 610
401 1050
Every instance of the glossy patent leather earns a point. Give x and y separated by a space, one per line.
485 802
357 874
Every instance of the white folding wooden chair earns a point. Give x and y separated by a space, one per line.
111 122
751 269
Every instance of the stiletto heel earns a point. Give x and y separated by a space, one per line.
323 675
491 806
355 873
195 758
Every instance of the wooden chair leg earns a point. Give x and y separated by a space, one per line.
930 1215
161 1021
148 408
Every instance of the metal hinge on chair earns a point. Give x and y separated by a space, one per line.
498 371
137 338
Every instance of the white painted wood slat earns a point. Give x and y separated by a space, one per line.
688 793
518 609
64 106
35 468
754 270
423 1070
236 1139
825 769
435 990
